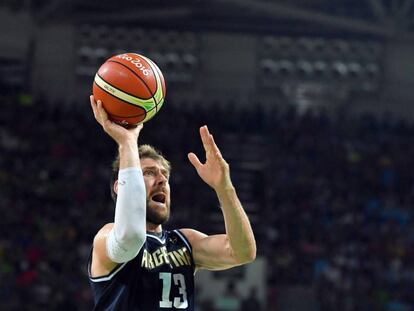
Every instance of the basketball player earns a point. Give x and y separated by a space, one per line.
135 264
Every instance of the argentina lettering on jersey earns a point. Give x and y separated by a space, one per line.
160 277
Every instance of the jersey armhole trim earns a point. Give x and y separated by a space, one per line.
107 277
182 236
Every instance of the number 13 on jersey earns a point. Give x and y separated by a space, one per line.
178 302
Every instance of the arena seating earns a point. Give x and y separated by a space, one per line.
331 198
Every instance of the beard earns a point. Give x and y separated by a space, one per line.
156 216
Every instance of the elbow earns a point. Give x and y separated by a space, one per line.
132 239
122 246
251 252
251 256
247 257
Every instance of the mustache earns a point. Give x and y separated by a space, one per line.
159 189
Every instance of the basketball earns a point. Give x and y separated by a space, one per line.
131 88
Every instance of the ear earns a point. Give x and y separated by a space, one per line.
116 186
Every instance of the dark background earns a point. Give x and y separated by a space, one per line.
310 102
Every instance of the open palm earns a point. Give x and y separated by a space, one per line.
215 171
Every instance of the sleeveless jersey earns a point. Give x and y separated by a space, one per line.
160 277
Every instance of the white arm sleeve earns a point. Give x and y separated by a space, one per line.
129 231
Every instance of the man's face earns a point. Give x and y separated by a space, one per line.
158 191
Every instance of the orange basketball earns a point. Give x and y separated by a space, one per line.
131 88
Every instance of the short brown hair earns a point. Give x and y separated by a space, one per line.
144 151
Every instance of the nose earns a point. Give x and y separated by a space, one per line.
161 179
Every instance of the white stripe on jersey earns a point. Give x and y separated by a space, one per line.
109 276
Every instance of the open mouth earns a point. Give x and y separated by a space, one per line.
159 198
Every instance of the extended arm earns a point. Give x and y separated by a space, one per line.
121 241
237 246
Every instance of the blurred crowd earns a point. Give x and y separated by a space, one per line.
342 206
337 214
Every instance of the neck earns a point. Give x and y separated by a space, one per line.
153 227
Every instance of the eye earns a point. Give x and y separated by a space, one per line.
149 173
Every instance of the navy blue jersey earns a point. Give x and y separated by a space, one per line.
160 277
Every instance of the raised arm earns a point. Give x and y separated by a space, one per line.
237 246
121 241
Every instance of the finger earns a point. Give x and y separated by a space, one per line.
104 119
137 129
93 105
92 100
194 161
204 134
101 112
214 145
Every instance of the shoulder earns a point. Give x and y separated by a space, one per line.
103 232
99 241
193 236
101 264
